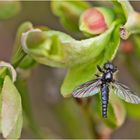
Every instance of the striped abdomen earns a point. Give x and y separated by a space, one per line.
105 97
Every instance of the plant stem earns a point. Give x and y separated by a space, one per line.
128 9
87 112
23 90
15 65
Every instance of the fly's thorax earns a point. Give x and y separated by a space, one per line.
108 76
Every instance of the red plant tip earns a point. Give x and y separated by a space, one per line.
95 20
127 47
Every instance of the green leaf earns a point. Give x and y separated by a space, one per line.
133 110
85 72
116 111
69 12
119 12
78 75
11 110
136 42
3 73
112 48
58 49
9 9
16 131
19 57
27 63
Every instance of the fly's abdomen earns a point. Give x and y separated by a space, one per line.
105 97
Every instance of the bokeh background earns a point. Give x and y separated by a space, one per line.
47 103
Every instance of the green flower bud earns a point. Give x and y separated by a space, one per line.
11 69
9 9
19 58
96 20
58 49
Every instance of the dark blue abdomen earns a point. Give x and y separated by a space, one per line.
105 97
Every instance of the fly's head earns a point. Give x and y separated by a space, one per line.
110 67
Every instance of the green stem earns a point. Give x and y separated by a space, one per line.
21 85
128 9
23 90
87 112
16 64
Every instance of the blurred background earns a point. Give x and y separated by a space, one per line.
56 116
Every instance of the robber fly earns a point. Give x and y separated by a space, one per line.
102 84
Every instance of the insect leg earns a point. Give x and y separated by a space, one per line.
97 75
100 69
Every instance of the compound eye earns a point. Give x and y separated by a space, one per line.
111 66
106 66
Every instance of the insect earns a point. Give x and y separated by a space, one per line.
102 85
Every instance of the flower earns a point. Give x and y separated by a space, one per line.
96 20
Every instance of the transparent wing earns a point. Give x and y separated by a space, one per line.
87 89
125 93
